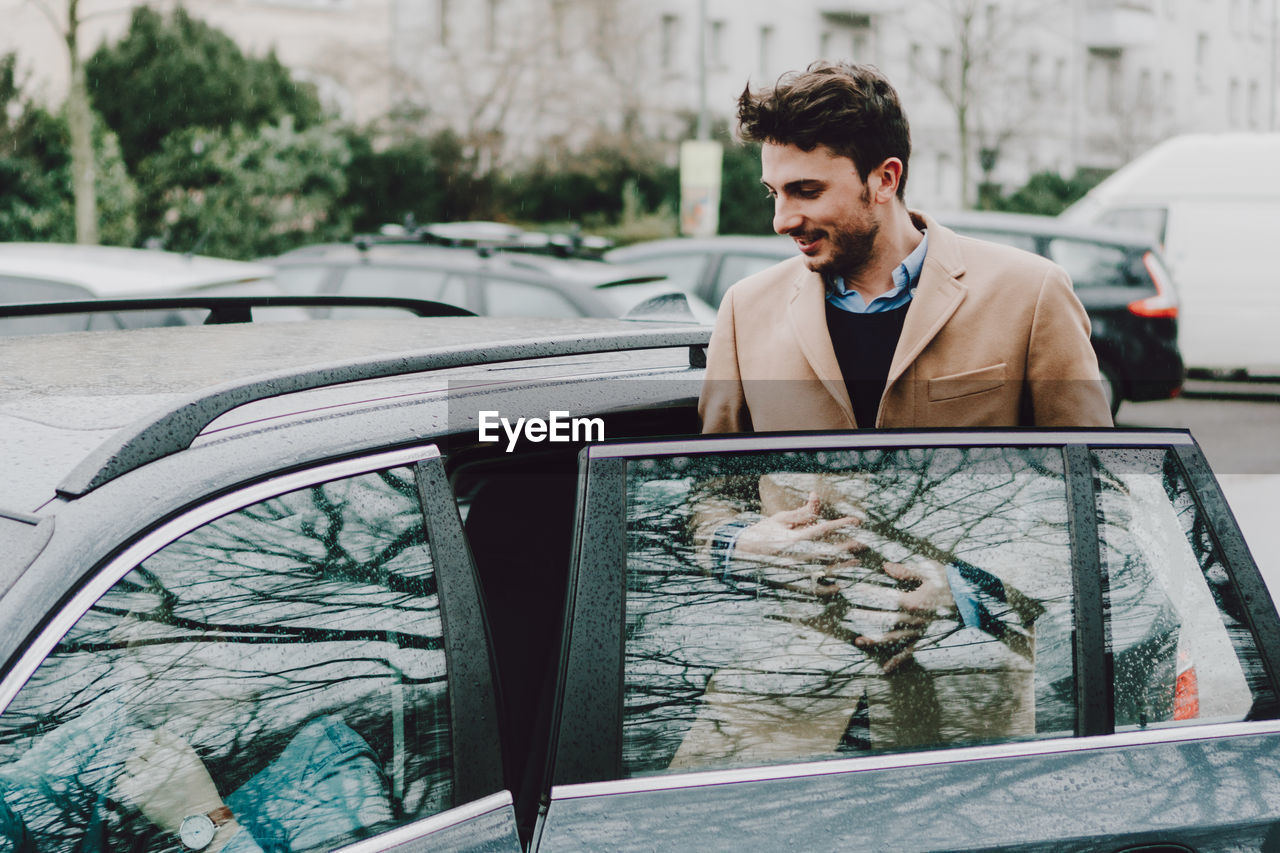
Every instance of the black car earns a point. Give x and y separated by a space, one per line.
476 584
1120 279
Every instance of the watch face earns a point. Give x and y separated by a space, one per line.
196 831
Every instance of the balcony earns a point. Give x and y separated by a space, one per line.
1117 24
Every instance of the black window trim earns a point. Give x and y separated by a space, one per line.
595 645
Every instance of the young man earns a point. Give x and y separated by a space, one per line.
886 318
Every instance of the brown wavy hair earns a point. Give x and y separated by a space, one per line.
851 109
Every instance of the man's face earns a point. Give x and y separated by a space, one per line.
820 202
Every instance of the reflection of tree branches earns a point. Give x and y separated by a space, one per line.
257 634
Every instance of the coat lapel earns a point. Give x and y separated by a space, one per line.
808 313
938 295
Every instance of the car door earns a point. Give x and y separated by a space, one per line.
304 661
1001 641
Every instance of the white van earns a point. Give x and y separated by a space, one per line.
1213 203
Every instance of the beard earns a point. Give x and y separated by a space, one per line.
850 245
850 251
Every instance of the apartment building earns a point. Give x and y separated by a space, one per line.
996 90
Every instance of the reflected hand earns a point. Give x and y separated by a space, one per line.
929 596
802 529
166 780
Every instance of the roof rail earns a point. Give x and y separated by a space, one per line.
230 309
172 430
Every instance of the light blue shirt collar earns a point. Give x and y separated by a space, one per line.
906 276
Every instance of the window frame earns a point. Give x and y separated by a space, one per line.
475 738
587 744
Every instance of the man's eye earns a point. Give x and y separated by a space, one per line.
807 193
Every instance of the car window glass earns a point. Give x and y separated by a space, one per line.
935 608
683 270
285 660
1180 647
454 292
299 280
19 289
517 299
407 282
734 268
1092 264
1142 220
1026 242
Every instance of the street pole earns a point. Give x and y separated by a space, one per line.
1271 123
704 127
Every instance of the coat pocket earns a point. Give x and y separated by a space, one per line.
967 384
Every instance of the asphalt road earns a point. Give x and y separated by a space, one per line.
1238 426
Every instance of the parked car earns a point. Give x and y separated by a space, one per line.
43 272
1214 233
1120 278
706 266
481 278
447 584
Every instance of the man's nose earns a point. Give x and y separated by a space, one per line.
786 218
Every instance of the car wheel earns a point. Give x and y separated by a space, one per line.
1111 387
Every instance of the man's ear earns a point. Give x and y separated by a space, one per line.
883 180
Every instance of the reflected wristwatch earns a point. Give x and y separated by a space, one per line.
197 830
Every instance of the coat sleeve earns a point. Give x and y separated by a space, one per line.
1062 369
723 405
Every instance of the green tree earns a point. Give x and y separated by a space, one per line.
426 178
176 72
36 179
591 186
744 208
241 193
1048 193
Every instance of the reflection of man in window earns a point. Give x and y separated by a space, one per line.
100 782
783 538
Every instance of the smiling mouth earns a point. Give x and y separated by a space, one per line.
808 244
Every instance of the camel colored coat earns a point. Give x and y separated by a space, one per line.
994 337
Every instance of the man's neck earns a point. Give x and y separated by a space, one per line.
898 237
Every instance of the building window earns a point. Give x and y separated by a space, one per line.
1251 115
442 23
824 45
1033 74
1202 61
1060 76
944 68
1233 103
764 58
493 16
861 45
914 58
670 32
715 44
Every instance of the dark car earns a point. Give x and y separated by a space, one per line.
483 279
1120 279
476 584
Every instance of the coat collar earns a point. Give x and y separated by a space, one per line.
937 296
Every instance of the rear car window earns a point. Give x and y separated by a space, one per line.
285 660
1093 265
734 268
517 299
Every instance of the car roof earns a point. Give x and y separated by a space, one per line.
573 271
109 271
765 244
60 410
1041 226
